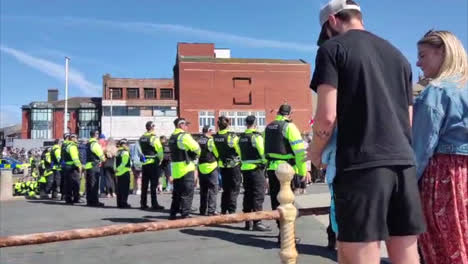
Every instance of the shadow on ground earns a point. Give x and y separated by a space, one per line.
127 220
241 239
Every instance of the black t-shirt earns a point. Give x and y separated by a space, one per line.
374 87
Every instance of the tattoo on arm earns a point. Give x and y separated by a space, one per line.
322 134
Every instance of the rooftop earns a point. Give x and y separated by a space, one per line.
239 60
73 102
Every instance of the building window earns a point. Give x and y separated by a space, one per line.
115 93
206 118
114 110
133 93
41 123
139 111
237 119
133 111
88 120
164 111
150 93
166 94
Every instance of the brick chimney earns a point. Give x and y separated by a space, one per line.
52 95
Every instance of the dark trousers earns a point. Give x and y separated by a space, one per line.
56 183
92 185
151 173
208 191
232 178
49 183
254 190
274 188
42 188
123 187
102 181
182 194
109 173
72 184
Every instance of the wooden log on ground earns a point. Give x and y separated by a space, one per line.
49 237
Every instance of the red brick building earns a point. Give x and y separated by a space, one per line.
44 119
209 83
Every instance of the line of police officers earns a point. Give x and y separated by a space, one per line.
239 158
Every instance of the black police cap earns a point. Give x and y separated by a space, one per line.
284 109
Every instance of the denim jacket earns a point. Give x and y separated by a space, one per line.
440 122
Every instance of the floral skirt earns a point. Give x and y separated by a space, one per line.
444 194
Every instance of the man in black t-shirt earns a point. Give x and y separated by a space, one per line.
364 88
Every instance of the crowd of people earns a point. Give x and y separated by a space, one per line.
179 164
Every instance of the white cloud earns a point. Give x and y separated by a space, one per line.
157 28
54 70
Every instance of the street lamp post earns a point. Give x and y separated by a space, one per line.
65 119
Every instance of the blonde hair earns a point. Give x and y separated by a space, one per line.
111 148
455 64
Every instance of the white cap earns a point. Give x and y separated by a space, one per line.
334 7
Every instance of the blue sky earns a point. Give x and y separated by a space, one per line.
138 38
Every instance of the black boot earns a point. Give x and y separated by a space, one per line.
248 226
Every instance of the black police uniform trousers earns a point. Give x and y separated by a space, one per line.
151 173
208 191
123 188
54 182
92 185
72 184
231 181
254 190
182 194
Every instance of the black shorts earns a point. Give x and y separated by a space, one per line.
375 203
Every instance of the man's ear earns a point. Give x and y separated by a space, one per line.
332 21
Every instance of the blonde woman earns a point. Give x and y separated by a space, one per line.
440 141
110 152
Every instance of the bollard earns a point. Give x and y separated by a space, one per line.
6 185
288 214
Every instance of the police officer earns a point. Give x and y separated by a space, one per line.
122 174
166 163
207 173
72 171
56 167
94 159
227 151
283 143
184 150
252 155
153 154
32 164
63 150
46 164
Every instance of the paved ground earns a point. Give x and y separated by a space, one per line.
215 244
